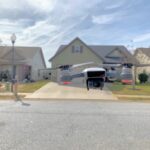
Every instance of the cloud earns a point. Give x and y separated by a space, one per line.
8 27
115 6
49 23
104 19
37 34
42 5
16 10
142 38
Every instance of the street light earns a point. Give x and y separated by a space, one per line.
13 40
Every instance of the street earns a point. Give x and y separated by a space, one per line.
74 125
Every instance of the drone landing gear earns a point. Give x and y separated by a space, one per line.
101 85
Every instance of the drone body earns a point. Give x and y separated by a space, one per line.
95 77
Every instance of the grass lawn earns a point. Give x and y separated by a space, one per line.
140 89
31 87
137 99
10 97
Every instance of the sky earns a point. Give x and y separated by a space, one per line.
50 23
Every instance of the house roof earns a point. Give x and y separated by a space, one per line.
146 51
102 51
22 54
105 50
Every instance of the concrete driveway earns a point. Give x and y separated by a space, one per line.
55 91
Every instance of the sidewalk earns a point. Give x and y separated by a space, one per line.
54 91
10 94
134 96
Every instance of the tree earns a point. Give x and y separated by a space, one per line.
143 77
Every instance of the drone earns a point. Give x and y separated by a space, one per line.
96 76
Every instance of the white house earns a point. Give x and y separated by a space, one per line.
27 60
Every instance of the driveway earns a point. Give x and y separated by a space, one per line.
54 91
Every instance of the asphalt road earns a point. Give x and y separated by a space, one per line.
74 125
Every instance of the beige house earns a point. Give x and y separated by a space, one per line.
79 52
27 60
143 57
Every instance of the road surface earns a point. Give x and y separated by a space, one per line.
74 125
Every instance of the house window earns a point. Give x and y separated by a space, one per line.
77 49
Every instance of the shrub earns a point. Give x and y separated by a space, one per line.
143 77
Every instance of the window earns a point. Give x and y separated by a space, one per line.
77 49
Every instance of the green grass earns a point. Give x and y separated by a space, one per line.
140 89
10 97
134 99
31 87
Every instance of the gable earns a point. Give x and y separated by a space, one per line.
22 54
106 53
26 52
67 56
7 58
145 51
115 54
80 43
17 57
142 57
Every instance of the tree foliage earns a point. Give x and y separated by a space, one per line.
143 77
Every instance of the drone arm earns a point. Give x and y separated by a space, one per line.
82 64
110 65
142 65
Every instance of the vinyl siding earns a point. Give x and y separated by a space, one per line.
68 57
143 59
37 63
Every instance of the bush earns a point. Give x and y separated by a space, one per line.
143 77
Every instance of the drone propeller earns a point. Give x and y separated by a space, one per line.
120 65
141 65
100 65
80 65
72 66
110 65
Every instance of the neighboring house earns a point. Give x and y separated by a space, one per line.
143 56
27 60
79 52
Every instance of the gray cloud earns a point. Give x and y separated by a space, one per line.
27 13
